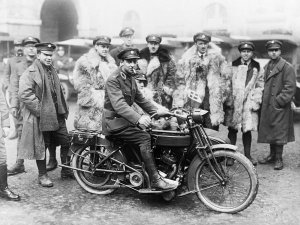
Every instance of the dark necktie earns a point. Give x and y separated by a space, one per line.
245 64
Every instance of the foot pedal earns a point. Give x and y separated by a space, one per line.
154 191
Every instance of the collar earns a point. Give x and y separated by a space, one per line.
242 61
199 54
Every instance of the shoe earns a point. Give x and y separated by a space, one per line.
164 184
267 160
9 195
52 164
15 169
278 164
45 181
67 173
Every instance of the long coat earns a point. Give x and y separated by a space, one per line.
120 93
247 89
276 119
208 77
4 122
160 71
90 74
9 69
32 95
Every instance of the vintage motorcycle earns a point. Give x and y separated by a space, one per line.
191 157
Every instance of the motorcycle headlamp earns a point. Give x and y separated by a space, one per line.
197 115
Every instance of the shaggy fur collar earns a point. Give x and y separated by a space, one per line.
94 58
213 50
162 53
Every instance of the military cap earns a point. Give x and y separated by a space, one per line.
202 37
45 47
273 44
129 53
154 38
104 40
126 31
141 77
17 42
246 45
30 40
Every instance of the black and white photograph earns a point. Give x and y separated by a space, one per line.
161 112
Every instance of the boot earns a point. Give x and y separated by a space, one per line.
232 135
52 164
17 168
45 181
66 172
270 158
157 182
5 192
278 162
247 138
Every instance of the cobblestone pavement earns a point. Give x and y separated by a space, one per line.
277 202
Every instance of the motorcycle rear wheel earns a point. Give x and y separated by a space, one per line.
239 190
86 159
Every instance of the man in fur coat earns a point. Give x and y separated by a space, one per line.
204 70
90 74
159 67
247 89
276 120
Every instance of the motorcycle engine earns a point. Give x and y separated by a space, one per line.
166 161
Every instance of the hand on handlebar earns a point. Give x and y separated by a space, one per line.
144 121
162 112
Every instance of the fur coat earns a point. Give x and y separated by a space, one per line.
90 74
160 71
208 77
247 89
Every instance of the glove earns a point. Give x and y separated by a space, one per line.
144 121
162 111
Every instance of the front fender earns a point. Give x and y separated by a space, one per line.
191 175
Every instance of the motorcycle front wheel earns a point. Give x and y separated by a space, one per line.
92 181
236 192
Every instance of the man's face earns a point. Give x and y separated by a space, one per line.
140 84
246 54
61 52
274 53
30 51
127 40
202 46
19 50
130 65
102 49
45 57
153 47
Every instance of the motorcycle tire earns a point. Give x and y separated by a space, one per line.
85 159
225 197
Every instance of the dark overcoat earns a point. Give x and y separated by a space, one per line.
31 93
120 93
276 118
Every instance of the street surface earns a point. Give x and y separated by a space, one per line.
277 201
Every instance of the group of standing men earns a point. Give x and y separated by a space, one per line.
241 96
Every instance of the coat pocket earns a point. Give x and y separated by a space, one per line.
116 124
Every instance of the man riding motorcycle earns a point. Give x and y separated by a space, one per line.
121 121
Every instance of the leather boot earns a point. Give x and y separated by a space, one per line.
232 135
5 192
17 168
66 172
157 182
247 138
278 162
52 164
270 158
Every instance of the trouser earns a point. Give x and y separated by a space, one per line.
57 137
246 137
19 126
277 150
2 150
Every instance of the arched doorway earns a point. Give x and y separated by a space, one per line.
59 20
